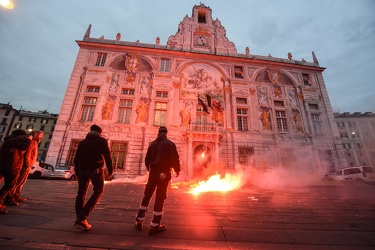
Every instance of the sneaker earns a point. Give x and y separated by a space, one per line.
11 203
139 225
20 199
158 229
82 224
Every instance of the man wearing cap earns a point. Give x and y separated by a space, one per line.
89 160
30 157
11 160
161 157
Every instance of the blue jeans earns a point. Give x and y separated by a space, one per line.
84 178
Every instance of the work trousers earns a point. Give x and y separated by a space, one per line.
159 182
84 178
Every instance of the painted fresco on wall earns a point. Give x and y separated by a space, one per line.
201 80
265 117
262 95
297 122
292 97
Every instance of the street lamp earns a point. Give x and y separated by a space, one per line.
6 4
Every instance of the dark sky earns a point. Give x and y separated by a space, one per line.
38 48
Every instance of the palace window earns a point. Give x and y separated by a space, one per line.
18 125
72 151
282 125
125 111
32 119
160 117
305 78
93 89
127 91
313 106
118 153
317 124
88 109
100 60
346 145
244 154
241 100
162 94
242 119
44 121
278 103
238 72
165 65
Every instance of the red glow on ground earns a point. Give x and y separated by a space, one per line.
216 183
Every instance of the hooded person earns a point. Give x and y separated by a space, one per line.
89 160
11 161
161 157
30 158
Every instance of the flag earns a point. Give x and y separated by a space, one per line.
200 102
208 101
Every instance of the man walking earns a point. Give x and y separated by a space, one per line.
89 162
161 157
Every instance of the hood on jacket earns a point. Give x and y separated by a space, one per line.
92 134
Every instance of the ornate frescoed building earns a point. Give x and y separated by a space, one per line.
222 108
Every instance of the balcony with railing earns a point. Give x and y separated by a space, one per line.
205 127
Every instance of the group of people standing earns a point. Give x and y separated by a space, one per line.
20 150
17 154
89 161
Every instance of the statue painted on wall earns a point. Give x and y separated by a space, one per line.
264 116
276 90
262 95
114 85
107 109
293 97
185 113
297 120
142 110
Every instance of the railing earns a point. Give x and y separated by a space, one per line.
204 128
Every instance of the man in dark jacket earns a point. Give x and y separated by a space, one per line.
89 162
161 157
11 160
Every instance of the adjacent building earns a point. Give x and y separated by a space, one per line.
7 113
357 133
223 109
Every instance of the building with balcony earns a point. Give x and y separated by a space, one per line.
7 113
42 120
357 133
222 108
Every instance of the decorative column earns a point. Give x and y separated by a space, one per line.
228 108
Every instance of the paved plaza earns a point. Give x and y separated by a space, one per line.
313 217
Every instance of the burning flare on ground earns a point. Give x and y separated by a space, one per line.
217 184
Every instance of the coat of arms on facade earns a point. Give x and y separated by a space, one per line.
132 61
273 75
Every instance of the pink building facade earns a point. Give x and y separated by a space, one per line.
223 109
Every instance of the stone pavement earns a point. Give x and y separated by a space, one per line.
315 217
